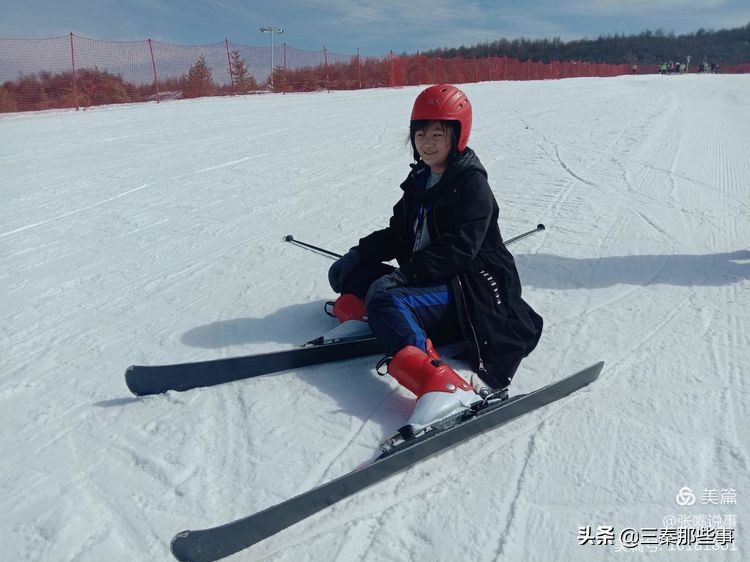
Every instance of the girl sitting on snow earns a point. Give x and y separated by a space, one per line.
456 281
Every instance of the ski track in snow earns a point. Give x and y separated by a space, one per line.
153 234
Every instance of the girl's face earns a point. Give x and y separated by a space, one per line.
434 145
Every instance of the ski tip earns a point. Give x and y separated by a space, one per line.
588 374
596 368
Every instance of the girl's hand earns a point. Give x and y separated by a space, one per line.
342 268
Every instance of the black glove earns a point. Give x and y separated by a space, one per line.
394 279
341 269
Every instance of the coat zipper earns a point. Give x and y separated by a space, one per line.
481 368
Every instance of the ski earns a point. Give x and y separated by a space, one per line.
218 542
154 379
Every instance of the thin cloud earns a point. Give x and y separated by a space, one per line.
638 7
414 15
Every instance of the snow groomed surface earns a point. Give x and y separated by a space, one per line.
152 234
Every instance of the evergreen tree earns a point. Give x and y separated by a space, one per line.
199 80
728 46
243 80
279 79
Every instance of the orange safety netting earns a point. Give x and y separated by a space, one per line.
72 71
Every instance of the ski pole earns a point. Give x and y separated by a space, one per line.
290 238
538 228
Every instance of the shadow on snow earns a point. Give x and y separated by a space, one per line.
547 271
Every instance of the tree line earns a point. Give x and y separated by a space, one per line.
728 46
47 90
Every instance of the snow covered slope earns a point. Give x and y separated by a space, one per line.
153 234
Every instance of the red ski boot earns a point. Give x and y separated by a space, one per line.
441 392
349 307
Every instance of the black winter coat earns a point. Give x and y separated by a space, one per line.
467 253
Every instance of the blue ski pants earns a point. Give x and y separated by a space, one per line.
406 315
409 315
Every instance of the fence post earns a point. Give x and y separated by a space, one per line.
153 65
73 60
393 78
419 69
359 69
229 65
325 62
283 81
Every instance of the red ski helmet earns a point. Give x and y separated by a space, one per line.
444 102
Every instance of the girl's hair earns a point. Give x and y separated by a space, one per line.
452 128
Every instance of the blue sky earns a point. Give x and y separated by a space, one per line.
373 27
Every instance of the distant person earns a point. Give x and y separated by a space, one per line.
455 281
634 69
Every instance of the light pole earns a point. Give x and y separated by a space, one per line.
271 29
